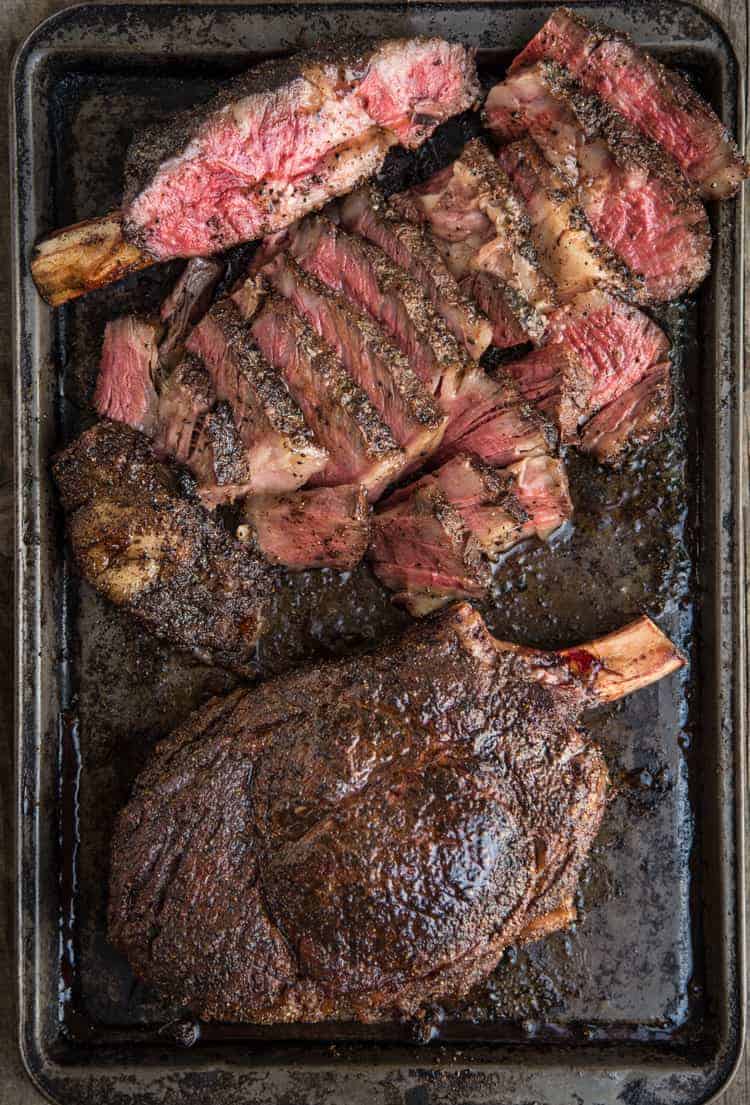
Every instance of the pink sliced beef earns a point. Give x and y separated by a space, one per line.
482 230
633 419
187 303
413 247
285 138
572 255
321 527
360 447
654 99
377 366
634 196
187 395
218 459
281 449
541 487
125 388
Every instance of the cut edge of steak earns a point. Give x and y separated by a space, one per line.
285 137
320 527
187 303
373 362
569 250
654 99
411 246
634 418
633 194
125 387
187 395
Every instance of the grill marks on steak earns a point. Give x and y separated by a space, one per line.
482 230
339 843
361 448
377 366
656 100
412 247
161 557
634 196
422 551
285 138
568 249
282 452
322 527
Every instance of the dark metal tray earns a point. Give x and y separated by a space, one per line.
643 1002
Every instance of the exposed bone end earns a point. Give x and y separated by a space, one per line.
80 258
626 660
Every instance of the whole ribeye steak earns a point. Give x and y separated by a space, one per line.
359 838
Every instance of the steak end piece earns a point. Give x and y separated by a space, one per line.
633 419
126 385
366 837
160 557
322 527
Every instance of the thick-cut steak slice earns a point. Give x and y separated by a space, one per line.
598 348
414 249
285 138
125 387
633 194
378 367
656 100
569 250
187 395
365 837
483 231
282 452
322 527
161 557
187 303
360 446
636 416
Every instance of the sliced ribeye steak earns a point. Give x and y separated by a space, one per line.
160 556
367 836
274 144
653 98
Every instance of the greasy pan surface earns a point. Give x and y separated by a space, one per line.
642 1000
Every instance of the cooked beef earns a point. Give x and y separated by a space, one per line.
413 248
377 366
125 388
187 303
656 100
286 137
568 249
219 460
633 194
161 557
187 395
362 838
636 416
481 227
282 452
360 446
598 348
323 527
498 508
367 276
423 551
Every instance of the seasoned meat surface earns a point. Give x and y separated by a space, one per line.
161 557
360 838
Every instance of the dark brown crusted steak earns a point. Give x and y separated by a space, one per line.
366 836
285 138
161 557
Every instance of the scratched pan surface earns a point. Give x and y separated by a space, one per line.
642 1001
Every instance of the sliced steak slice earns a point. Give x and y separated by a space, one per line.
367 276
322 527
285 138
187 395
422 550
656 100
634 418
282 451
378 367
125 388
569 250
413 248
219 460
187 303
633 194
161 557
360 446
541 486
481 226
